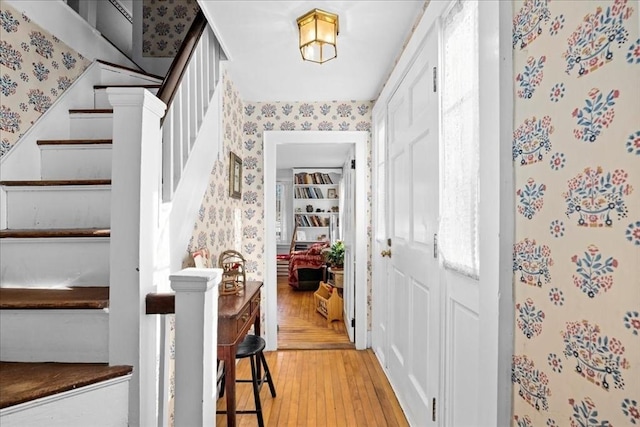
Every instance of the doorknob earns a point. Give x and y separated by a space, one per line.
386 253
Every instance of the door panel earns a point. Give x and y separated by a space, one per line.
413 334
461 340
380 264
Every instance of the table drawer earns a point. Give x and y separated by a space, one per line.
243 318
255 303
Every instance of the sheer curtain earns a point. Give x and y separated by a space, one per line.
458 235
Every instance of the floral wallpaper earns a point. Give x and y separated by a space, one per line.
164 25
243 124
214 228
290 116
576 259
35 68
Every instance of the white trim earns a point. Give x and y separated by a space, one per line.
496 213
270 140
64 395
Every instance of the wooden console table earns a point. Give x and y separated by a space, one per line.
236 315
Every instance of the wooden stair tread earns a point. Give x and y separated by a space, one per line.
91 111
23 382
133 70
90 297
58 232
55 182
73 141
144 86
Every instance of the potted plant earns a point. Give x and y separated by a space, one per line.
334 256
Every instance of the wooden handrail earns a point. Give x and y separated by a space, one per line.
169 87
160 303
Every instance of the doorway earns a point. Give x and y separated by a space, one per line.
273 140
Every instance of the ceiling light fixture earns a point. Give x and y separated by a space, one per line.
318 32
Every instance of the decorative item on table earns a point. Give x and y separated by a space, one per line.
232 264
334 256
201 258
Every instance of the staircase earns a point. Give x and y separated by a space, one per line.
54 277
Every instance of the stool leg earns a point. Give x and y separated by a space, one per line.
256 391
268 375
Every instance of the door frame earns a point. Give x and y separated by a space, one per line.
271 139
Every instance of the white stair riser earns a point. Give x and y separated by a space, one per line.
76 162
70 261
91 125
66 206
101 100
75 336
104 404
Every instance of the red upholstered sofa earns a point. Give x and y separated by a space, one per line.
307 267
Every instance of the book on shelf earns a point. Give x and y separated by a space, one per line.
319 178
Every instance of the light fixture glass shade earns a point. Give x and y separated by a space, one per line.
318 32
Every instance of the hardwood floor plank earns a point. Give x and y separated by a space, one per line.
320 379
300 326
318 388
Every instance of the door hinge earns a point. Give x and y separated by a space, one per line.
435 245
433 409
353 164
353 323
435 79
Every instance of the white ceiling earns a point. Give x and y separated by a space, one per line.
260 39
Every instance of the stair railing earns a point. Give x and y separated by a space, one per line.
187 91
139 228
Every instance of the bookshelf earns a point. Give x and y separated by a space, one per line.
316 203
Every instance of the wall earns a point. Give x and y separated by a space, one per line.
215 228
35 69
243 125
165 23
576 153
288 116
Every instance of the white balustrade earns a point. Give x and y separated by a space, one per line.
187 110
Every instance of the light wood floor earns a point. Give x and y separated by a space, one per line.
300 326
320 388
320 379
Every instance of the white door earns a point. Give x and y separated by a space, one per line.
414 286
381 243
348 200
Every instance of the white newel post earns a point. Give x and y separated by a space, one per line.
135 200
196 345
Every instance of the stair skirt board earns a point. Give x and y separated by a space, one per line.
63 206
103 404
55 261
76 161
74 336
85 124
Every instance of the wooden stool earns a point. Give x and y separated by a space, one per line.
252 347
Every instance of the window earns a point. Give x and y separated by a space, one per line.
459 191
281 212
